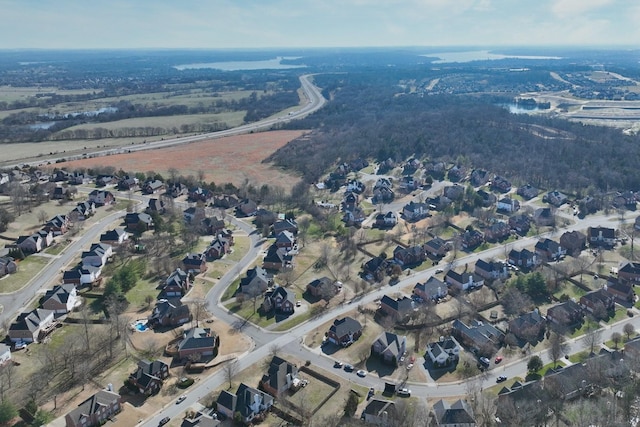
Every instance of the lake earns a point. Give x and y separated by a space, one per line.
479 55
267 64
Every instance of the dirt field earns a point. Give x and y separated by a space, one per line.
233 159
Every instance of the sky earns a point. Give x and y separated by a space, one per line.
89 24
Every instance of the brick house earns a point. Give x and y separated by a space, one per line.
195 263
61 299
280 377
389 347
344 331
629 272
528 326
566 314
169 312
432 290
574 242
177 284
198 341
280 299
149 376
96 410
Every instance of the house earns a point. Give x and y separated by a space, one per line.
383 195
409 183
5 354
277 258
97 255
225 201
388 220
636 223
437 247
463 281
82 275
344 331
471 239
8 265
324 288
479 335
528 326
457 414
58 225
153 187
218 247
566 314
589 204
497 231
380 412
47 238
398 309
413 255
104 180
555 198
479 177
439 203
383 182
29 326
30 244
453 192
289 225
549 250
61 299
435 169
83 210
350 201
355 186
60 193
524 258
176 189
202 418
599 302
509 205
601 236
527 192
376 267
195 263
411 166
149 376
101 197
247 401
354 216
491 270
625 200
457 173
255 282
444 352
198 194
177 284
247 207
488 199
629 273
78 178
286 239
520 223
280 299
265 217
500 184
128 183
431 290
155 206
413 211
198 341
389 347
544 217
96 410
138 222
280 377
114 237
574 242
169 312
622 292
213 225
194 214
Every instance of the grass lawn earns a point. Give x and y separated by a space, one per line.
231 289
550 366
312 395
620 314
240 248
570 290
295 321
57 248
579 357
141 290
27 269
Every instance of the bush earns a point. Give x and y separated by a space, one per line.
185 382
532 376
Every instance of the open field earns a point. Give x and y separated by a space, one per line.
232 159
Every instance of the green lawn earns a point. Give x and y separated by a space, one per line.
231 289
57 248
240 248
27 269
288 324
579 357
621 314
141 290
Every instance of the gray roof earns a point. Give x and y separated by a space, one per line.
345 326
92 405
457 413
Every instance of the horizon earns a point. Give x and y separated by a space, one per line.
306 24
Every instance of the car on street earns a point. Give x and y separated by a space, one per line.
498 359
348 368
298 303
403 392
439 270
501 378
361 373
181 398
164 421
338 364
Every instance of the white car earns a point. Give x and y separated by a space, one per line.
19 345
361 373
181 398
404 392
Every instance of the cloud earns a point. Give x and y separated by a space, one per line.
569 8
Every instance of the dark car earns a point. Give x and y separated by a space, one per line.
348 368
164 421
338 364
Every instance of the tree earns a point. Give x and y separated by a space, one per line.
351 405
616 337
593 336
230 371
7 411
629 330
534 364
557 347
199 309
6 217
42 216
515 302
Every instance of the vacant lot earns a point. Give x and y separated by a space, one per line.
232 159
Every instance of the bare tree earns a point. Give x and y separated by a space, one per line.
230 370
199 308
616 337
593 336
42 216
557 347
629 330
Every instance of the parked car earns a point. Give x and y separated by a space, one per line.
361 373
338 364
498 359
164 421
485 361
404 392
348 368
501 378
19 345
181 398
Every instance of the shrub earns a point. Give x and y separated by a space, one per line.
185 382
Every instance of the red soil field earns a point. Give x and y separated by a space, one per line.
231 159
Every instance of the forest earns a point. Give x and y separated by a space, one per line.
372 119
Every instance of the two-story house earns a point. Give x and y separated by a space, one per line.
345 331
61 299
96 410
444 352
389 347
